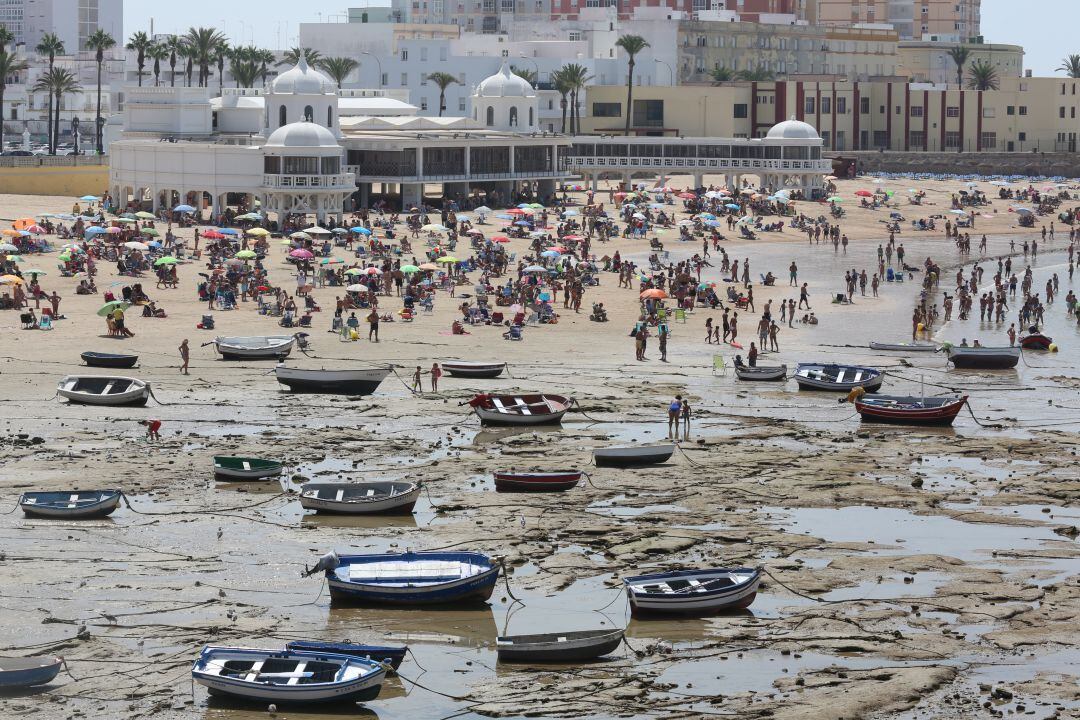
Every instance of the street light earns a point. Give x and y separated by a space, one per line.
671 73
536 66
379 62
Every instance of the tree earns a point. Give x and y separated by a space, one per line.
157 53
631 45
57 82
221 54
578 77
265 59
758 75
1071 66
960 55
338 68
562 85
99 42
292 56
528 76
175 46
6 38
203 43
983 76
9 66
244 65
50 46
721 75
140 43
442 80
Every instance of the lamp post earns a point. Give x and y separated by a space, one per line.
536 66
75 133
671 73
379 62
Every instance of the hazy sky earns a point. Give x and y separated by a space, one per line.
1046 28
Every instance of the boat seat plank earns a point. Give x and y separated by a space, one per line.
523 406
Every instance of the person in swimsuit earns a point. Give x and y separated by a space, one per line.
674 413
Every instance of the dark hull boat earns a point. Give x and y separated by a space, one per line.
109 360
842 378
692 592
331 382
628 457
520 410
1036 341
768 373
984 358
474 370
558 647
23 672
537 481
904 410
392 656
367 498
73 505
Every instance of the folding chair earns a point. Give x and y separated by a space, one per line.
718 365
680 315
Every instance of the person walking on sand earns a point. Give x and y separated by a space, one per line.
793 273
185 356
674 413
1012 334
417 387
774 330
708 330
373 325
804 296
733 327
686 412
662 334
436 373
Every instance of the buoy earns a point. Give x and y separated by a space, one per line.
1053 347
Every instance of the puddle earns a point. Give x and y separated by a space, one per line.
613 508
922 585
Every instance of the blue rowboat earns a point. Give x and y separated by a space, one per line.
28 671
412 578
70 505
287 676
392 656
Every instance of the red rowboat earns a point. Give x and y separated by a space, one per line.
1036 341
517 410
910 410
537 481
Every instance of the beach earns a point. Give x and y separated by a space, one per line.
910 572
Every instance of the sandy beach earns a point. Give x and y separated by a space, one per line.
912 573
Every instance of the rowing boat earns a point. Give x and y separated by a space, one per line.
906 410
231 468
984 358
70 504
22 672
109 360
388 655
693 592
761 372
365 498
472 369
517 410
637 456
536 481
104 390
827 376
261 347
903 347
361 381
558 647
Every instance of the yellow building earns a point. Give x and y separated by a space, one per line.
928 61
913 19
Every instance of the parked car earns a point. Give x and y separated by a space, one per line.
17 153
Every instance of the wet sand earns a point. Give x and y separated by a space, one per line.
913 573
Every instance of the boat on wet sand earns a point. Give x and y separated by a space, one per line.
692 592
761 372
1036 341
635 456
473 369
104 390
261 347
523 409
361 381
984 358
109 360
364 498
827 376
287 676
576 646
908 410
411 578
388 655
903 347
23 672
509 481
233 469
70 504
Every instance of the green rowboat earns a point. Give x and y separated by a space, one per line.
245 468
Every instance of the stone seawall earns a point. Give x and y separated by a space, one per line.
1049 164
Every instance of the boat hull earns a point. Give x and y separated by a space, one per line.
243 470
834 378
984 358
409 590
927 416
903 347
108 360
736 597
762 374
32 505
392 656
332 382
28 672
90 390
1036 342
273 348
520 410
475 371
576 647
400 503
536 482
633 457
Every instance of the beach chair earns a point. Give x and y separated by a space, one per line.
45 323
718 365
514 333
680 315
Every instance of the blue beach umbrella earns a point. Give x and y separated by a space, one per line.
183 209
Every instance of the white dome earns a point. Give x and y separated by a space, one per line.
504 84
793 130
302 135
302 80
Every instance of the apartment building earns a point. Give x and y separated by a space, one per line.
912 19
929 61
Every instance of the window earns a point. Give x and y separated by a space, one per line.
281 116
607 109
826 105
1072 113
841 106
271 165
423 54
442 54
989 141
461 105
301 165
808 106
990 112
329 117
916 110
952 140
532 119
649 113
1010 110
952 111
490 117
740 110
404 54
864 105
331 165
513 117
309 114
1061 113
404 79
1023 137
423 103
917 140
881 140
575 36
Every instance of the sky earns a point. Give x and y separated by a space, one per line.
1046 28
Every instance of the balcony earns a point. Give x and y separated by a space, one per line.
344 181
709 164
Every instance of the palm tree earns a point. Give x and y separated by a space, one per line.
292 56
221 53
1071 66
50 46
57 82
758 75
203 43
9 65
189 61
265 58
983 76
176 50
528 76
157 53
99 42
338 68
721 75
561 81
140 42
578 77
960 55
6 38
244 65
443 80
632 45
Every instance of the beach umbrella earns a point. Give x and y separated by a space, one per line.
504 216
570 213
108 308
316 230
167 260
483 209
15 258
258 232
213 235
535 269
301 254
142 214
331 261
300 235
63 257
523 223
340 231
515 211
8 247
25 223
228 231
447 260
1021 210
958 212
246 255
372 271
732 206
183 209
864 193
249 216
550 254
35 229
500 239
113 231
35 271
354 271
361 231
780 199
154 244
638 216
654 293
433 227
136 245
356 288
150 232
90 198
429 266
557 248
461 216
127 221
835 199
688 196
11 280
409 269
94 230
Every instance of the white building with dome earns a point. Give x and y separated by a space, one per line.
300 145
